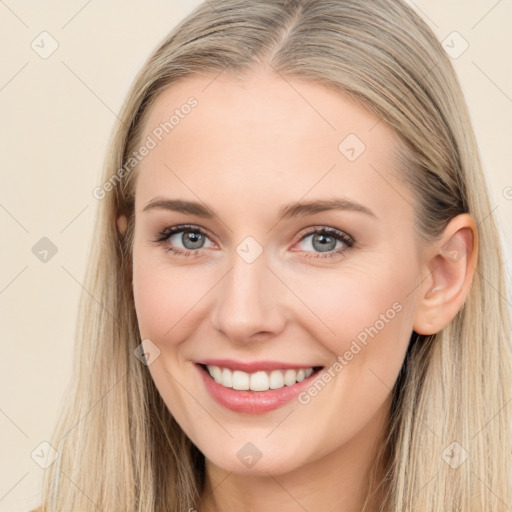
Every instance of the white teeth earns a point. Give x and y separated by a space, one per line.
276 380
290 377
227 378
240 380
258 381
216 373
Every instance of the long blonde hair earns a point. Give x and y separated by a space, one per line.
119 446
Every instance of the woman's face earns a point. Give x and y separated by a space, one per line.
254 283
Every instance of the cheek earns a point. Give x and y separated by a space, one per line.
150 292
157 304
167 300
369 314
151 300
364 315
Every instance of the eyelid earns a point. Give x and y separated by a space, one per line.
319 228
172 230
168 232
337 234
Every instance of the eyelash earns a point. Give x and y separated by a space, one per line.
165 234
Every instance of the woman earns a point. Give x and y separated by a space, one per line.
296 292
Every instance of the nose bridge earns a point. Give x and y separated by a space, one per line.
247 301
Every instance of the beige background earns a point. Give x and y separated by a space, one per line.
56 116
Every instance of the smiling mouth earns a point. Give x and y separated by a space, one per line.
259 380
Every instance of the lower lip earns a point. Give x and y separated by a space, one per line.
254 402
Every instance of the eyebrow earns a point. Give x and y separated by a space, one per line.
286 212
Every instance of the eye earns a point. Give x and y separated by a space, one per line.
192 239
324 240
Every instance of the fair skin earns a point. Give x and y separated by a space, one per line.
248 148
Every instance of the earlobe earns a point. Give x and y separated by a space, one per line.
122 224
450 267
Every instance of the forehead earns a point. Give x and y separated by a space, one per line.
263 139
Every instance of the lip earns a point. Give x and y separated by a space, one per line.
254 402
254 366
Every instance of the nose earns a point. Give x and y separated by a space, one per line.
248 304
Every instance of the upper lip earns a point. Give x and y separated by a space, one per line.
254 366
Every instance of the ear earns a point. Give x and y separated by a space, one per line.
121 224
450 264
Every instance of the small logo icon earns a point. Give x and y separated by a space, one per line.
351 147
44 250
249 249
454 249
249 455
44 45
454 455
44 454
147 352
455 45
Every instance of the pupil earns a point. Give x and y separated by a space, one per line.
192 238
324 247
